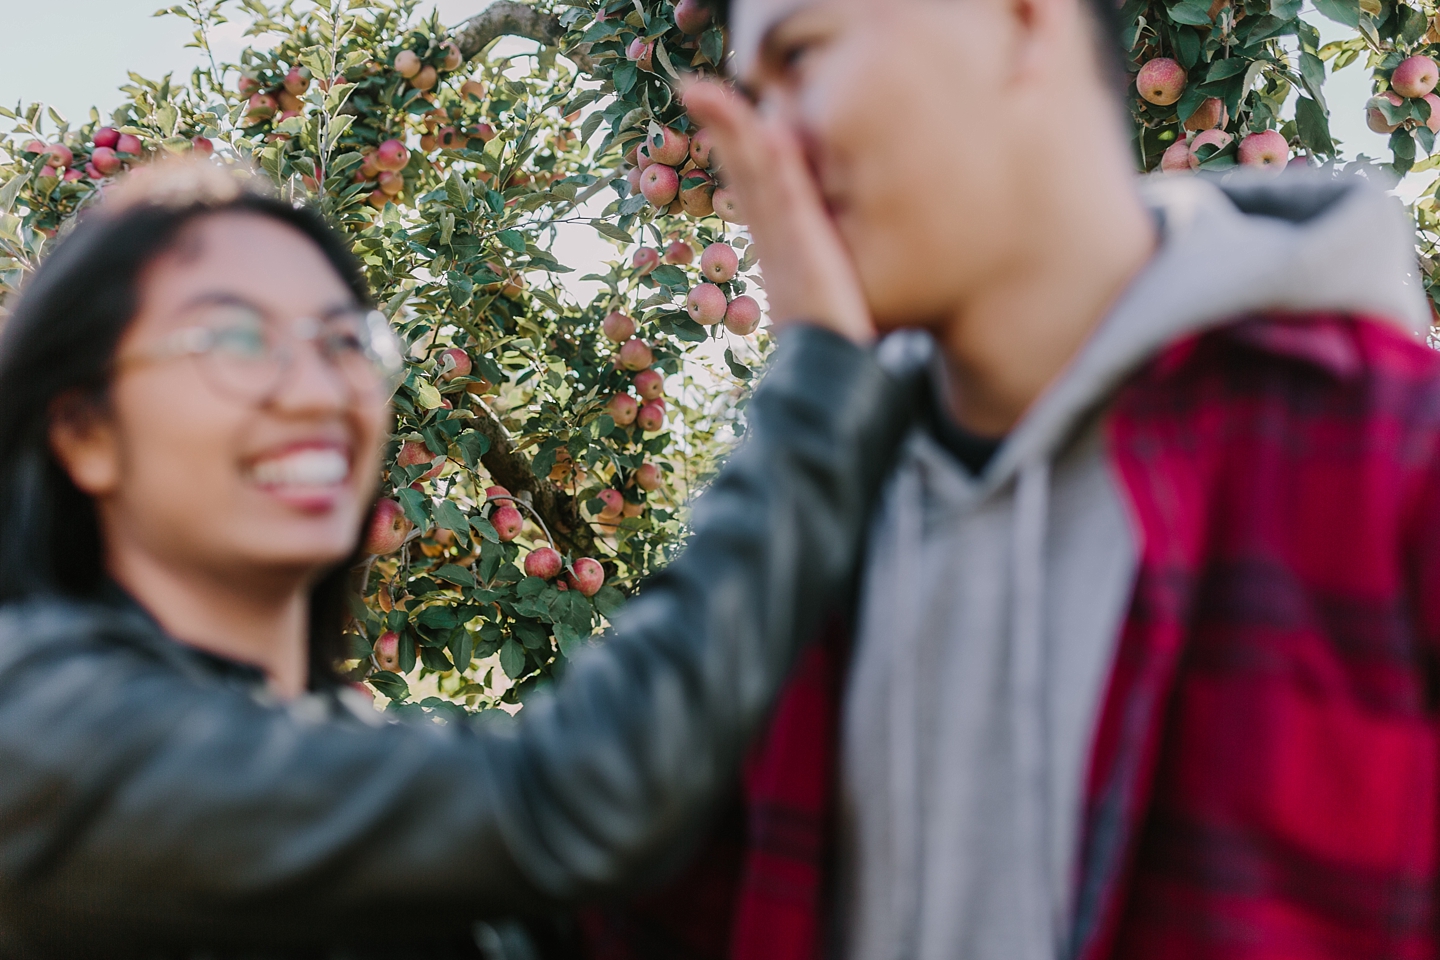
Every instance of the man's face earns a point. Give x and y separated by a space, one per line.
910 120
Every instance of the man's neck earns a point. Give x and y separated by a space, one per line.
259 621
1018 333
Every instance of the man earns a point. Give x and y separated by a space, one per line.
1143 662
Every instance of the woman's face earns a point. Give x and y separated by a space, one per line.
203 459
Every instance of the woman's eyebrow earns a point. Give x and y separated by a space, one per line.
222 297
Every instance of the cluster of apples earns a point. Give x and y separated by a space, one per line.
585 574
635 356
671 170
280 102
382 166
445 130
1414 79
1161 81
423 76
107 154
706 303
691 18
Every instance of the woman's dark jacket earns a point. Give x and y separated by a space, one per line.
153 800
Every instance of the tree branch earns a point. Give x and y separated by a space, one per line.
512 470
508 18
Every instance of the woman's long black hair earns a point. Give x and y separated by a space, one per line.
61 339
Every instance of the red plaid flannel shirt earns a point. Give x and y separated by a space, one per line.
1263 783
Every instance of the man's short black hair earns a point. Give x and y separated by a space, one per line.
1104 14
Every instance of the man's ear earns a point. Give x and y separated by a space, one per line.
82 437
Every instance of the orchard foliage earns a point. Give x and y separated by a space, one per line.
544 444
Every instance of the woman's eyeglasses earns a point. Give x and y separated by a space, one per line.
246 355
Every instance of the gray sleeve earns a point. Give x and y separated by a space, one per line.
137 803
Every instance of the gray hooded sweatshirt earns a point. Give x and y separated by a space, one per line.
991 605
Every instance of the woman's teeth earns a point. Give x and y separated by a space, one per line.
303 468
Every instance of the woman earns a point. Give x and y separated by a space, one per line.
193 401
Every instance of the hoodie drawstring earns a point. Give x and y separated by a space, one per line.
1029 723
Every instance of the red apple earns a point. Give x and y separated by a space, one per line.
392 183
129 143
632 177
1161 81
667 146
407 63
457 361
387 651
289 103
262 106
742 316
106 137
1433 121
426 78
651 416
93 172
297 81
1215 138
700 148
472 90
648 477
202 146
72 174
706 304
635 354
645 260
719 263
1374 119
507 521
618 327
587 576
1177 158
641 52
1265 148
453 57
387 529
496 491
697 192
679 252
622 409
392 155
248 86
727 208
543 562
659 184
1210 114
1415 77
649 384
34 146
60 155
692 16
614 502
106 160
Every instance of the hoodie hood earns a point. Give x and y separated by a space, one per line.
1229 249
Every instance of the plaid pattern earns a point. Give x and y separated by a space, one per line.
1264 781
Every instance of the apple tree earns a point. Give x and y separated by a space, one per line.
548 432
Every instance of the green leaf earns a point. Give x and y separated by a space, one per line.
1313 126
736 367
712 45
512 659
428 396
513 239
413 502
1341 11
1192 13
454 573
608 601
669 275
1312 72
452 518
611 231
390 685
462 648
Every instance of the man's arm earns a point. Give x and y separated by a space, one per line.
137 804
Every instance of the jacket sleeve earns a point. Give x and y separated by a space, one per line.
135 803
